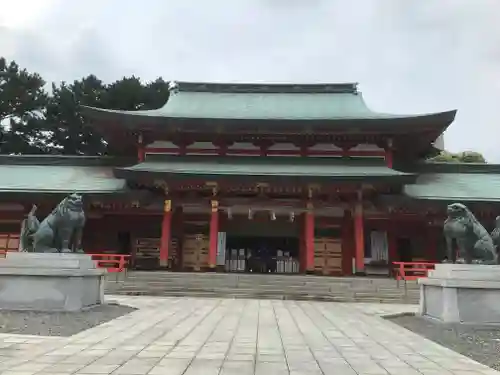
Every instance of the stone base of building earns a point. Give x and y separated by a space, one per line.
50 282
462 293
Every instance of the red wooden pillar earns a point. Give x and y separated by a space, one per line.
347 243
359 238
140 149
165 233
431 243
392 246
388 154
214 232
309 238
302 250
388 158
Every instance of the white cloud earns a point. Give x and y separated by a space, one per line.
23 13
408 56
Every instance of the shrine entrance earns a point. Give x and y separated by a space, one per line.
261 245
262 254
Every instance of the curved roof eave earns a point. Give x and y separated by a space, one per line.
279 170
133 119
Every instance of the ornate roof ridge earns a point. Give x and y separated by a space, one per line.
257 87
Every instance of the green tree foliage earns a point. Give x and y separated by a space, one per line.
127 94
460 157
131 94
33 122
23 102
156 94
68 133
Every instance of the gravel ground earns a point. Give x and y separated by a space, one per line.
59 323
481 343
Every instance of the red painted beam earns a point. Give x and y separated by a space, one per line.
265 152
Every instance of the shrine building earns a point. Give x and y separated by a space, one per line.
285 178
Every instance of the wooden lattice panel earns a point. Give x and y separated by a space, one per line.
9 242
328 256
195 251
147 253
173 251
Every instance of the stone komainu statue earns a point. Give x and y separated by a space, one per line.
471 238
495 236
61 231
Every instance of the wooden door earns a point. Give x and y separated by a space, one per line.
328 256
146 254
174 253
195 251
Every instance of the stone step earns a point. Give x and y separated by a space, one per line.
257 293
326 298
261 290
258 277
167 284
297 287
227 291
291 283
275 278
311 286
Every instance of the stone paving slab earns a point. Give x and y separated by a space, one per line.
169 336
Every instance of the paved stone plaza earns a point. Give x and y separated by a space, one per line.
170 336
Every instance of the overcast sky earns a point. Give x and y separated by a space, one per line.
408 56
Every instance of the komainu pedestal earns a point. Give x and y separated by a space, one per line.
50 282
462 293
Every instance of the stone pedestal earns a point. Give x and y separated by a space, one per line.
50 282
462 293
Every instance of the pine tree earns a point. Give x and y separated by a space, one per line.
69 133
22 110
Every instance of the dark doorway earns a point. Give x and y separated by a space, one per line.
405 251
262 254
124 243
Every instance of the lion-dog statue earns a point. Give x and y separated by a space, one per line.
463 230
59 232
495 236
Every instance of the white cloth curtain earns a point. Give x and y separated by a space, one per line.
379 246
221 248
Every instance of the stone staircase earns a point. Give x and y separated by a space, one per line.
271 286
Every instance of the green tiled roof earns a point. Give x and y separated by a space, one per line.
59 179
255 167
458 187
264 102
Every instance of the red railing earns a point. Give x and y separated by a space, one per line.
114 263
411 270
